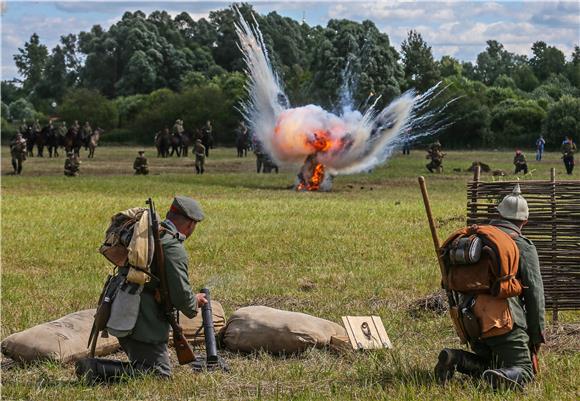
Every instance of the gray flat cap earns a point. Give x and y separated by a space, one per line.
187 207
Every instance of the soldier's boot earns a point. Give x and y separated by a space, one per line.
505 378
96 370
14 166
451 360
19 167
429 167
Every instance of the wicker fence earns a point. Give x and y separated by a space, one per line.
553 226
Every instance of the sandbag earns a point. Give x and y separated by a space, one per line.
193 328
61 340
255 328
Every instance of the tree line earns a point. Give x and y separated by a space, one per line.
146 71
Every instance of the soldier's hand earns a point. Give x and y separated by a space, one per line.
201 299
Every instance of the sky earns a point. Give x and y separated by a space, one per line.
455 28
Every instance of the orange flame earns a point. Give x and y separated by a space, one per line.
315 180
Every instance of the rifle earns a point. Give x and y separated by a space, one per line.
454 310
101 315
182 348
212 360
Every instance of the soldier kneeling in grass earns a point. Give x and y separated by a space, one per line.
140 164
71 165
504 322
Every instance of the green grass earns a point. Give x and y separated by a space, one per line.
363 249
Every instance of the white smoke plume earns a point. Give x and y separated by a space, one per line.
347 142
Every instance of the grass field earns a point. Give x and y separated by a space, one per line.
362 249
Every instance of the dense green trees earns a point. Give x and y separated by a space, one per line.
145 71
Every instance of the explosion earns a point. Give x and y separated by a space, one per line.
324 143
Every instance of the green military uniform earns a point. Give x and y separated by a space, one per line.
146 345
200 152
436 155
520 163
507 359
568 150
140 164
71 165
513 349
18 153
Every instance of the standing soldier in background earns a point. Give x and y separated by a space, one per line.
520 162
200 152
140 164
540 143
18 153
71 165
509 359
568 150
436 155
242 139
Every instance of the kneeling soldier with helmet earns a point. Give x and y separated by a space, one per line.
71 165
506 357
140 164
145 343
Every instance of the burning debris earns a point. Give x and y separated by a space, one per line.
325 144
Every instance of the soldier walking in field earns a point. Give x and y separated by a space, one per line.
568 150
18 153
435 153
520 162
71 165
146 343
200 153
140 164
506 348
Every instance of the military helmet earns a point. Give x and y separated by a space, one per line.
141 151
514 206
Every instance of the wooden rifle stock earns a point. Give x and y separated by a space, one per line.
182 348
453 307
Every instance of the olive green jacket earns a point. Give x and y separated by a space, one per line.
152 326
529 308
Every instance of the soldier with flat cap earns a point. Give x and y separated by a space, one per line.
140 164
508 360
146 343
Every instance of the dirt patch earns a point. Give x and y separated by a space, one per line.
434 303
564 337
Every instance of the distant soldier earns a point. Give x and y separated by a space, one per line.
86 132
62 130
540 143
242 139
260 156
406 144
207 137
568 150
200 152
520 162
436 155
23 127
140 164
18 152
269 164
71 165
178 127
76 126
36 126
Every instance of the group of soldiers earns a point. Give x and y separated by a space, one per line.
568 149
503 361
18 155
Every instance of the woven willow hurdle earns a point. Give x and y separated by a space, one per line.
553 226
